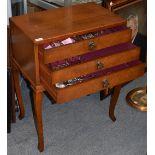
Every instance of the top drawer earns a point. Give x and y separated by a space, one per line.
85 43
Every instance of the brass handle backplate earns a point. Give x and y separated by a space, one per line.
99 65
91 45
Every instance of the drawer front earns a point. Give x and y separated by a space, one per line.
90 86
96 84
78 48
94 65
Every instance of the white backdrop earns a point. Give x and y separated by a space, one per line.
9 12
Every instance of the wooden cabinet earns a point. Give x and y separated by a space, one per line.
71 52
115 5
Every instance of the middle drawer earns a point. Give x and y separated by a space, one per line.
101 59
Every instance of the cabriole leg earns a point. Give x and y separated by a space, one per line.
38 118
18 93
114 98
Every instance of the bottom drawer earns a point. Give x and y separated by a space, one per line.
114 75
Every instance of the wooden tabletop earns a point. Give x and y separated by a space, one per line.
63 22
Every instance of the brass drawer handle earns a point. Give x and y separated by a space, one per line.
106 86
105 83
99 65
91 45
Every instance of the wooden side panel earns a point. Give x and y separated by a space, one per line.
95 85
91 66
24 55
46 80
81 47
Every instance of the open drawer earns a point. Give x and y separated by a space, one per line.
92 62
85 43
91 84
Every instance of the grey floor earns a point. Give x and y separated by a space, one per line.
82 127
